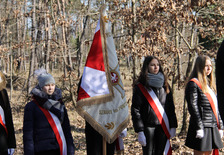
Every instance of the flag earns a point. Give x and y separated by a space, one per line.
101 97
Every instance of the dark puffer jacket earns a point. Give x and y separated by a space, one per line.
37 133
200 108
143 114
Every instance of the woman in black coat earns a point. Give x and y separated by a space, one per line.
40 135
151 134
205 126
7 134
220 79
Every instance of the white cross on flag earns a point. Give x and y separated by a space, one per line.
101 96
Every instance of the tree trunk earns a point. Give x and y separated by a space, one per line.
48 40
24 20
81 39
175 63
63 42
32 54
11 75
19 38
134 40
188 71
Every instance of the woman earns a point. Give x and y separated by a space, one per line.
46 128
7 133
152 110
205 126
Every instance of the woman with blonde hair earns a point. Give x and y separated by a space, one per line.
205 126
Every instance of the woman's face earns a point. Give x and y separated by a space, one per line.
49 88
208 67
154 66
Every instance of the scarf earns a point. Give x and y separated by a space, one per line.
155 80
50 102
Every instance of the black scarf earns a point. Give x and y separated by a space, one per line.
53 102
155 80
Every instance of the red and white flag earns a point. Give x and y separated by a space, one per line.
101 96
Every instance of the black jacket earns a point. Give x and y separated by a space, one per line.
220 79
6 141
199 108
143 114
38 135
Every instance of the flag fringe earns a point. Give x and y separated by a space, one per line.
100 129
104 48
95 100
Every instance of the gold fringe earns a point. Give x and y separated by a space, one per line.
104 47
94 100
100 129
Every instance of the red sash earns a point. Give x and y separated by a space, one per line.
209 99
160 113
215 151
2 121
60 139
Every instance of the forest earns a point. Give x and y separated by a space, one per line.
57 35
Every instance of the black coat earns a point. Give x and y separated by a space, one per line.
37 133
94 142
143 114
6 141
201 114
220 79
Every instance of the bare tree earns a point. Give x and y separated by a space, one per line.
33 47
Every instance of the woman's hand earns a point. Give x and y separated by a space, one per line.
221 133
172 132
141 138
123 133
200 133
11 151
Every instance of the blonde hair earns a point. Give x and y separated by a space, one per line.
2 81
199 73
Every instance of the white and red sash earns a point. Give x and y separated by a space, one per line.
213 106
160 113
2 119
210 99
56 126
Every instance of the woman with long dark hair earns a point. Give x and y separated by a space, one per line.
153 110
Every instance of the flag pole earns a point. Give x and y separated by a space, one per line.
104 146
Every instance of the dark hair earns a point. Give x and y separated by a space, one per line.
145 70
